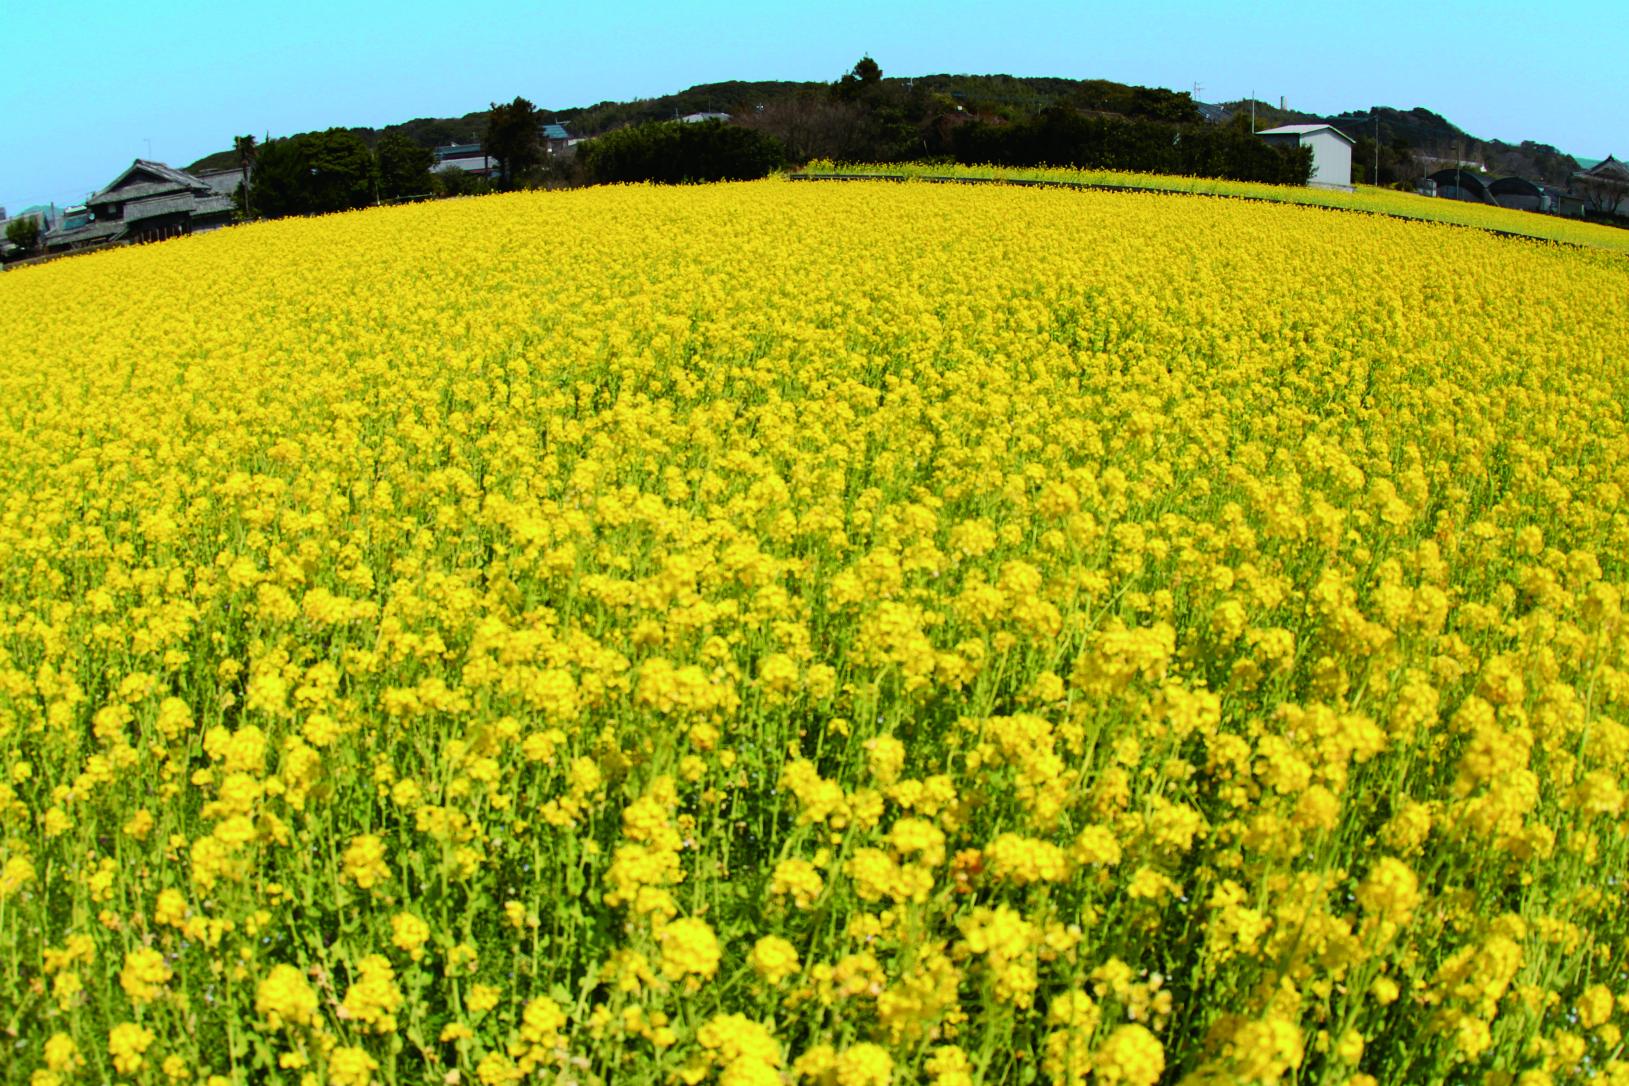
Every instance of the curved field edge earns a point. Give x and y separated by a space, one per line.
859 633
1368 199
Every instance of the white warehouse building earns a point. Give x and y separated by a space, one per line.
1331 152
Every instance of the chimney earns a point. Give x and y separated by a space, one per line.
1281 104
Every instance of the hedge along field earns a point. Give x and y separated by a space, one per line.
825 634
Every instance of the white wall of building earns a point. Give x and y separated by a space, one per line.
1331 160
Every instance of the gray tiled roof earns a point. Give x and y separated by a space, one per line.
96 231
1609 168
137 210
225 182
141 190
166 178
196 206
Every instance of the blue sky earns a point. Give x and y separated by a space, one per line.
86 87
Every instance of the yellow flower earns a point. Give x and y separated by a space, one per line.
731 1039
126 1044
409 933
17 873
864 1065
1024 860
284 998
796 879
365 861
373 998
482 998
689 949
1389 891
351 1066
62 1054
1130 1055
540 1026
774 959
949 1066
1595 1006
144 974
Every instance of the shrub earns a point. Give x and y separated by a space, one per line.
676 152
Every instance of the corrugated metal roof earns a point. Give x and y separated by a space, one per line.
555 132
1304 130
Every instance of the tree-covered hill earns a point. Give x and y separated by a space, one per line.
922 110
1417 141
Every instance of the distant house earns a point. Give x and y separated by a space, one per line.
558 142
149 201
1604 187
697 118
467 157
1462 184
1331 152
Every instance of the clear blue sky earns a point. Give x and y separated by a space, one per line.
85 86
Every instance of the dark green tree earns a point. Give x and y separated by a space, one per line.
244 147
404 167
513 137
24 233
1060 136
674 152
861 81
313 173
458 183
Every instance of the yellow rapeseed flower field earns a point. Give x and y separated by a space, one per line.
837 635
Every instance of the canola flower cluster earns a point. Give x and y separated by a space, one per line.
828 635
1366 198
